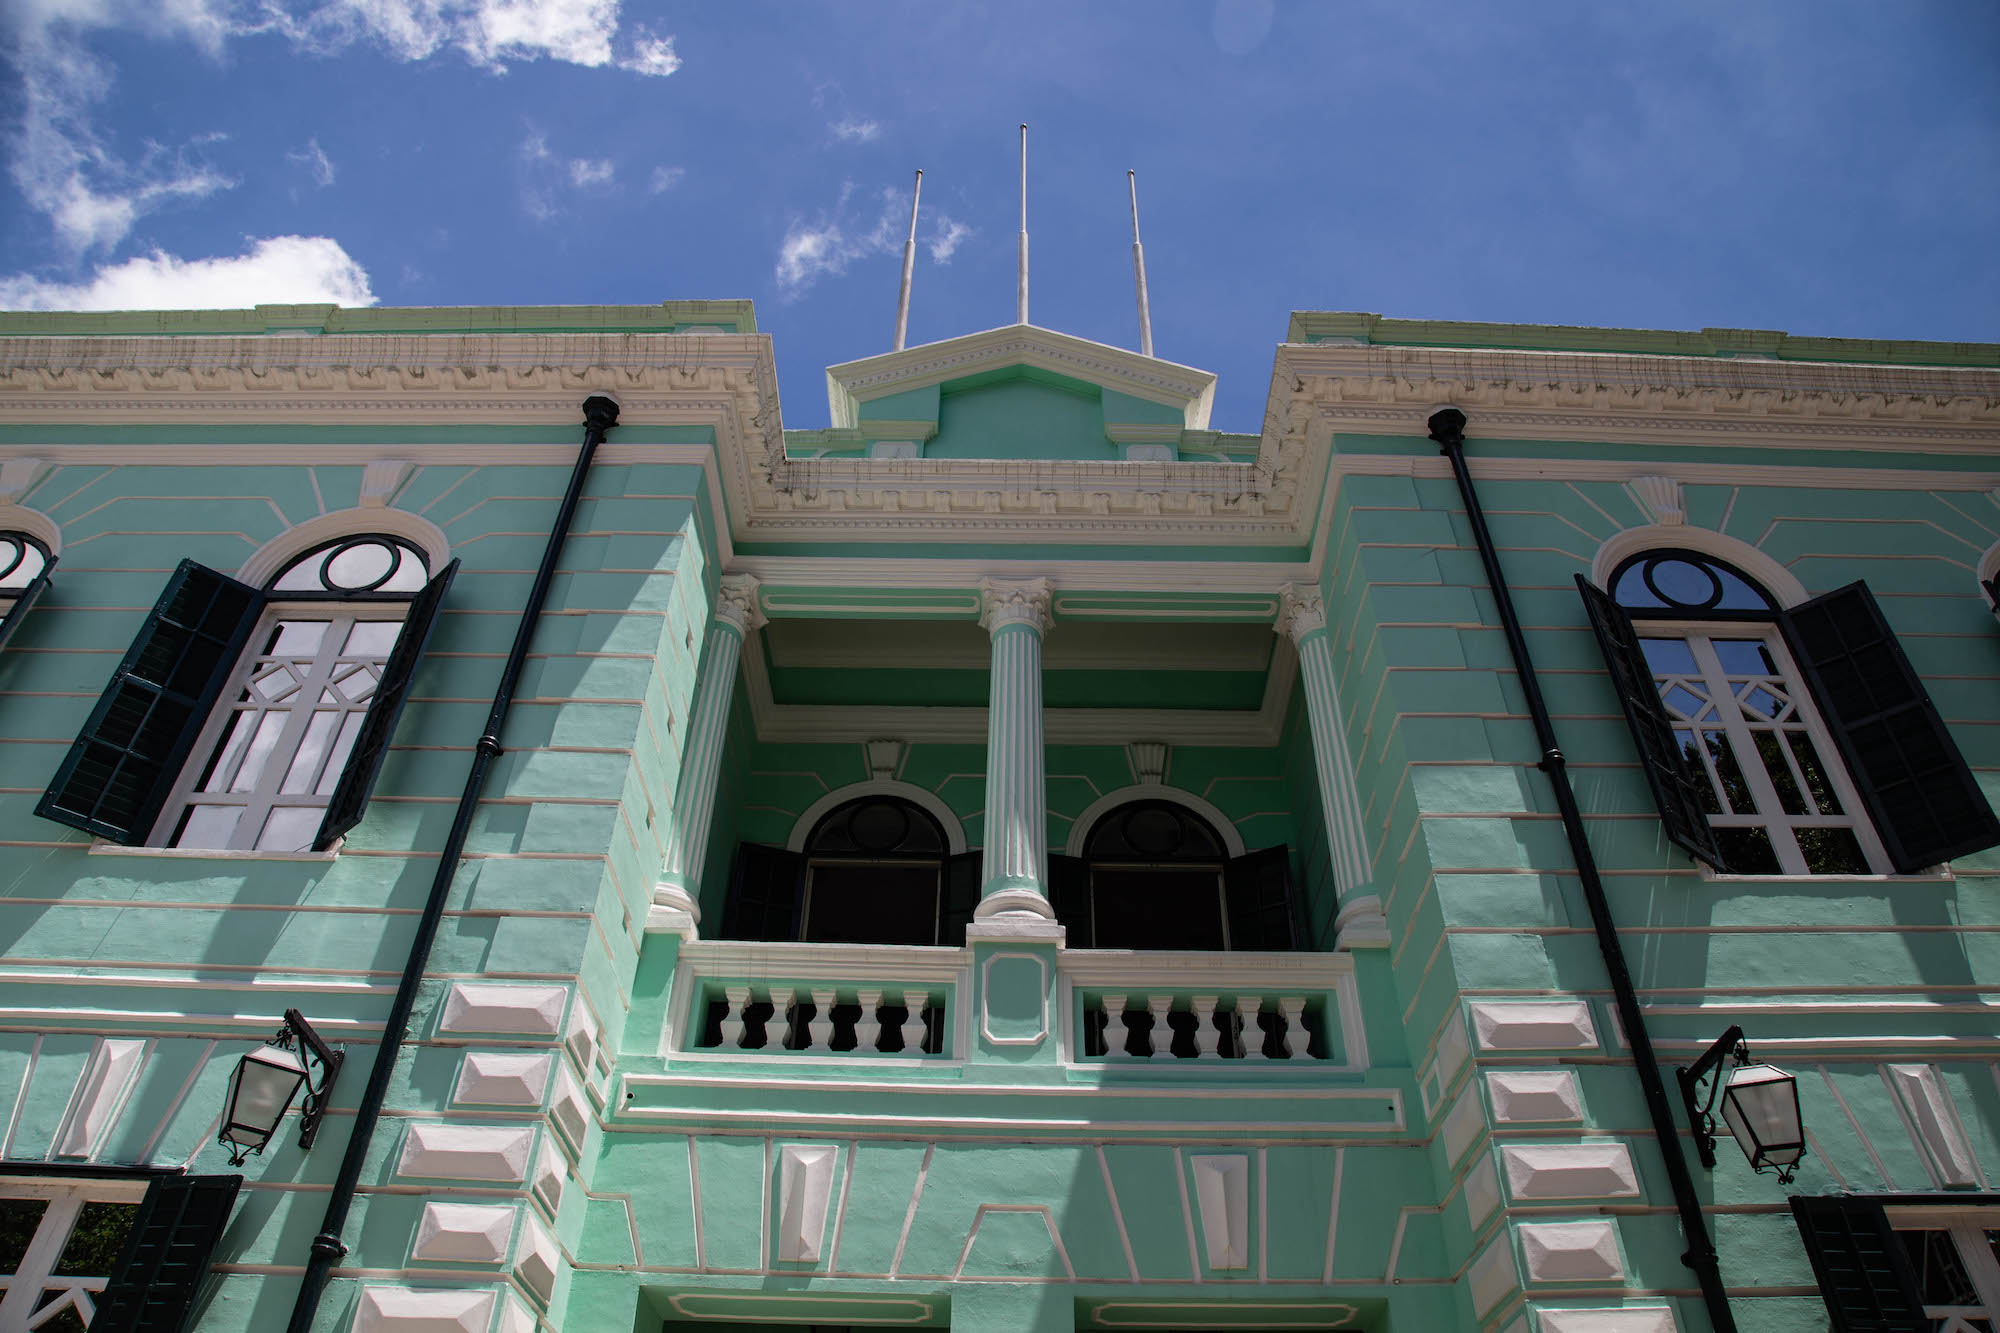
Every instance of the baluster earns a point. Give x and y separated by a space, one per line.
913 1023
1115 1031
1205 1033
1160 1041
737 999
868 1027
1251 1035
794 1002
1293 1007
821 1027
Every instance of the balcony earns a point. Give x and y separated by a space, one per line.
734 1001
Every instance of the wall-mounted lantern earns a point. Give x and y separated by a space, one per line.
260 1091
1760 1104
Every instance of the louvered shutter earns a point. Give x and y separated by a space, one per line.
153 1286
1924 802
961 897
24 600
1263 910
1069 895
349 800
766 894
1676 789
129 754
1992 587
1864 1272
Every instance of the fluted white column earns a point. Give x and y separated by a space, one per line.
1015 864
1302 618
736 614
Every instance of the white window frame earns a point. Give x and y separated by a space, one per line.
265 795
11 591
1968 1228
1770 814
24 1286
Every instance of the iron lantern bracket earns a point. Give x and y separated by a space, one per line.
1700 1109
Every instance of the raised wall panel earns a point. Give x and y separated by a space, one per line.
1618 1319
1492 1274
478 1006
466 1152
1522 1096
463 1233
536 1258
1938 1131
1533 1025
1462 1124
1570 1251
1569 1170
503 1078
1222 1185
403 1310
100 1089
1482 1191
805 1182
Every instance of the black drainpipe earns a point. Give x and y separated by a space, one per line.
600 414
1448 429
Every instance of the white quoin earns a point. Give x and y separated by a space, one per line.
736 614
1014 868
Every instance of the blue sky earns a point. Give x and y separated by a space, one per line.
1824 167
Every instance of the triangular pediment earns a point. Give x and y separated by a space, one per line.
1018 391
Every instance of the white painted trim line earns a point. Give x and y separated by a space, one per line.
1079 832
928 801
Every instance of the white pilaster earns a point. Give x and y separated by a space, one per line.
1015 865
1302 619
736 614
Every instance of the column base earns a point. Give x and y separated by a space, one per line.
1016 911
674 912
1361 925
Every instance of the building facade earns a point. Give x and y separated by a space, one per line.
1019 858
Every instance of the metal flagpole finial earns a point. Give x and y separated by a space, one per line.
1021 267
909 267
1139 268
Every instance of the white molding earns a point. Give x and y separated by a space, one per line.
927 800
1079 832
14 518
18 476
1222 1188
1780 582
296 540
985 984
805 1177
99 1096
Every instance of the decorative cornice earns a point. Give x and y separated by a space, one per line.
1300 611
736 602
1015 603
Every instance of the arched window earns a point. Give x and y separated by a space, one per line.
24 572
256 718
1155 875
1794 741
874 870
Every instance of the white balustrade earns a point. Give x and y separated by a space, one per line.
807 1019
1246 1027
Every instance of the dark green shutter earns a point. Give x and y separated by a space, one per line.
1992 587
961 896
1864 1272
371 744
1069 895
1924 802
1676 788
128 755
766 894
153 1285
25 599
1263 910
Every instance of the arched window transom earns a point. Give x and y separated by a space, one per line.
874 874
1687 583
22 560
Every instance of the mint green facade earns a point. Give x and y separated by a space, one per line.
1287 634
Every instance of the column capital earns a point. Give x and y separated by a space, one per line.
736 602
1004 602
1300 610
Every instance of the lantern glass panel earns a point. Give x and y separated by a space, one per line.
1761 1105
260 1093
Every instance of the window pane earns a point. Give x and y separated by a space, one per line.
1941 1277
1745 657
208 826
269 726
1832 851
229 752
1734 786
1748 851
290 828
1669 657
361 566
298 638
95 1239
1772 752
304 770
371 638
20 562
1825 800
1691 750
343 745
18 1220
65 1320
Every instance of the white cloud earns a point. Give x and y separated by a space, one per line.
315 161
546 175
276 269
92 195
591 172
945 238
665 178
826 246
855 130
